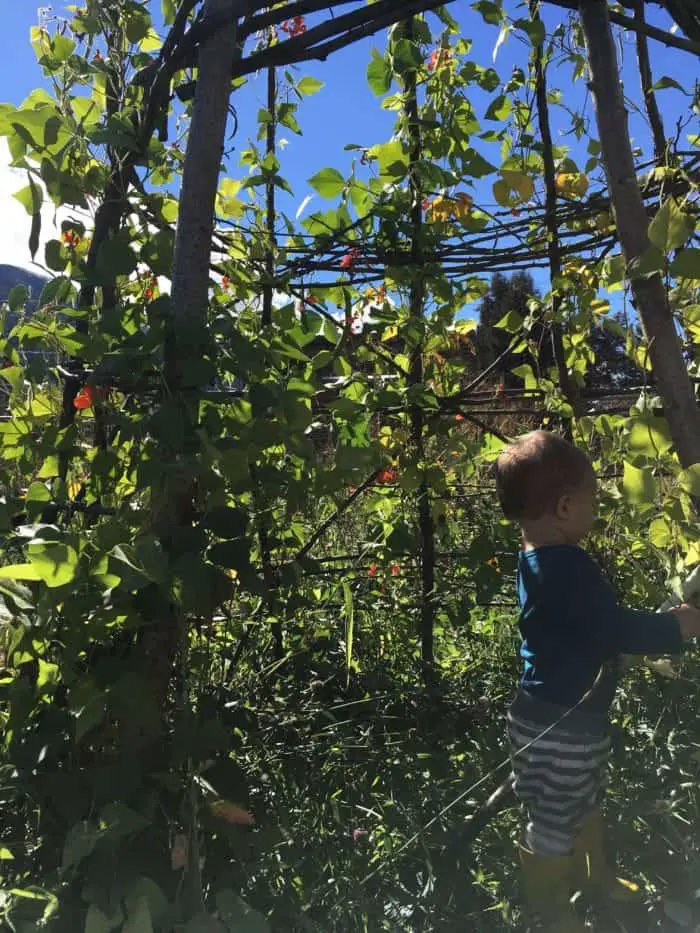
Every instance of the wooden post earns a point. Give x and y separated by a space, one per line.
650 296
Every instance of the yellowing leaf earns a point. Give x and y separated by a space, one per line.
501 193
227 204
152 42
463 205
572 185
441 209
519 182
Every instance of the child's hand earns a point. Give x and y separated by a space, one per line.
688 619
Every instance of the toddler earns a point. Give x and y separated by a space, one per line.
573 632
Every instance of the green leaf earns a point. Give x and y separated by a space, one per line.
651 262
138 25
90 715
499 109
650 436
512 322
20 595
96 921
31 197
406 56
233 554
638 486
239 916
660 534
667 82
491 12
56 563
476 165
671 227
686 264
114 258
138 919
349 628
157 252
80 842
285 115
62 47
20 572
37 497
168 9
308 86
151 42
328 182
679 913
6 855
690 480
55 256
34 235
146 888
18 297
393 161
379 74
534 28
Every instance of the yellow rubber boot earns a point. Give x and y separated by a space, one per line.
548 883
594 874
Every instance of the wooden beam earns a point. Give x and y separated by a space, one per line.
627 22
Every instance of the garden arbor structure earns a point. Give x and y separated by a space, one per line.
226 471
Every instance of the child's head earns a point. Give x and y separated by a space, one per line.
547 486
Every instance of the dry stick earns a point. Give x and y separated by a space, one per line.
567 384
650 102
302 553
627 22
651 301
343 507
426 524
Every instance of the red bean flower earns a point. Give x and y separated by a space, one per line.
87 395
350 258
360 835
387 476
294 27
395 570
71 238
85 398
372 571
439 58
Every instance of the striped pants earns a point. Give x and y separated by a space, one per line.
559 778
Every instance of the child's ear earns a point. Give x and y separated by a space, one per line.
563 508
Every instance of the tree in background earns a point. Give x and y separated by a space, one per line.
510 296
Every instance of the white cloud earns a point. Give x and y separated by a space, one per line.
15 222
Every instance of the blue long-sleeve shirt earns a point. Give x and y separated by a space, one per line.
572 626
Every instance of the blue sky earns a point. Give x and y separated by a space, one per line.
345 111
